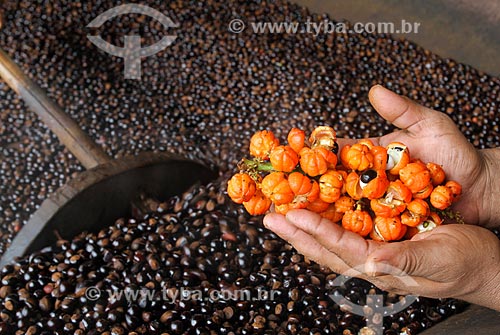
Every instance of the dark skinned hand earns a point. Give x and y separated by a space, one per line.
455 260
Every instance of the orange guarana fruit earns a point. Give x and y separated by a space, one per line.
410 220
437 173
315 162
352 185
388 229
379 157
261 144
358 157
344 203
387 209
332 214
330 186
284 158
416 212
323 136
275 186
366 142
241 187
419 207
397 190
424 193
398 156
456 189
357 221
296 139
373 188
300 183
258 204
305 190
343 155
344 177
441 197
415 176
318 206
404 229
282 209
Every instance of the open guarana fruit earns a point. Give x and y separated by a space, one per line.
379 193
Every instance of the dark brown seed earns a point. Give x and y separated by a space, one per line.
228 312
4 291
167 316
259 322
32 330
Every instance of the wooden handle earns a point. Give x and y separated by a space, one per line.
68 132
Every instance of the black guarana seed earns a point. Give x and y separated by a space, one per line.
335 148
368 176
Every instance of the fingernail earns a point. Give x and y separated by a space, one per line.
376 268
290 217
266 221
377 87
269 220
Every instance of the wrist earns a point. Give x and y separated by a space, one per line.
480 283
488 294
491 191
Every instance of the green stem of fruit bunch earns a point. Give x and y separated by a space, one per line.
259 165
254 167
451 214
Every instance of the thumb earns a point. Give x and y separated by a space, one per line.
413 258
398 110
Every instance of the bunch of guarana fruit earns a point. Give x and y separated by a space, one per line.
374 191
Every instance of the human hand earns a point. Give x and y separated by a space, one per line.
460 261
433 137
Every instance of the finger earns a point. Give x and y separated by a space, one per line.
304 243
390 284
411 285
402 284
350 247
400 111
